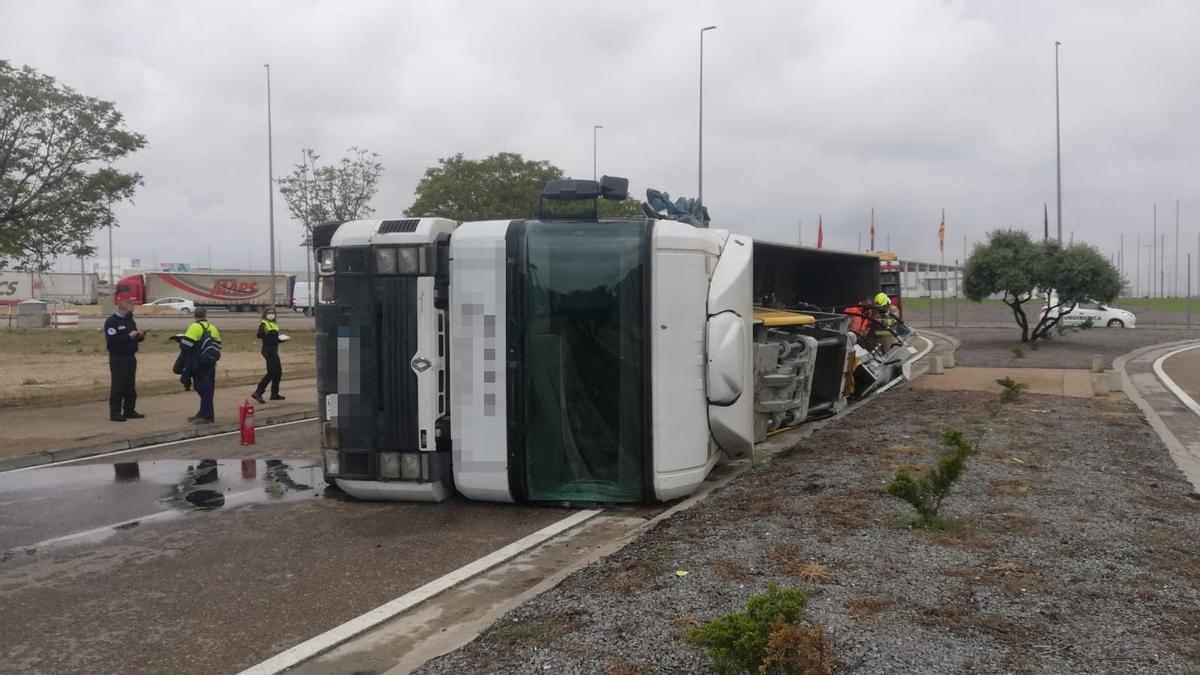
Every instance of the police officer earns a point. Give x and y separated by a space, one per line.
121 336
268 333
204 375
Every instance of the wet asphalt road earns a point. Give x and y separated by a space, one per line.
212 590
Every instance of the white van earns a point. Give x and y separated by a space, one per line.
301 297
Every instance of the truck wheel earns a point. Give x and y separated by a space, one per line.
1116 323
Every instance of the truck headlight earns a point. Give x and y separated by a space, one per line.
410 466
409 260
326 293
389 465
385 261
325 260
332 465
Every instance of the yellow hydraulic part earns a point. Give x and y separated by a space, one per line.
776 317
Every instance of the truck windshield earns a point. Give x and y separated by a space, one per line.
582 337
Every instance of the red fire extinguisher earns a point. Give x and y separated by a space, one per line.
246 422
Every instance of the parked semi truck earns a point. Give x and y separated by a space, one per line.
236 291
76 289
575 359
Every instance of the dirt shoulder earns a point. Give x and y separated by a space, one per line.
1074 551
56 367
1002 347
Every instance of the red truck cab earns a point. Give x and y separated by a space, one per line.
130 288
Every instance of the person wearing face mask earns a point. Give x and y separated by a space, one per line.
268 333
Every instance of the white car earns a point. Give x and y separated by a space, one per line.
185 306
1096 314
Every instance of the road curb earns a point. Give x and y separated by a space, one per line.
1174 446
64 454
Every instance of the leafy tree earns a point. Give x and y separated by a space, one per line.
343 191
1012 264
57 182
500 186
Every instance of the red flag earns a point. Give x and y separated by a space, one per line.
942 232
872 229
820 233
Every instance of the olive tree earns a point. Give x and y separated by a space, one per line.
1012 265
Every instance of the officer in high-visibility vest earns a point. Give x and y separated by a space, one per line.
204 373
268 333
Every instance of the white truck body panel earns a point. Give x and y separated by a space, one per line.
478 343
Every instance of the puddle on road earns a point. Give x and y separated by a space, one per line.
174 480
129 494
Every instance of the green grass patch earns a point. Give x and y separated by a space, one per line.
1179 305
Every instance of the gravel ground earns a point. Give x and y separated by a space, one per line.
1076 557
993 347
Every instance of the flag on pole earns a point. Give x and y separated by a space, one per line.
872 229
942 232
820 233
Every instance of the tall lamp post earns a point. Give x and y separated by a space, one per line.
595 128
700 129
270 182
1058 141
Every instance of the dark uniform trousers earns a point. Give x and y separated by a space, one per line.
274 372
204 381
122 398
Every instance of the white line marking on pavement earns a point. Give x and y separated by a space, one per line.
232 501
1170 384
336 636
151 447
928 349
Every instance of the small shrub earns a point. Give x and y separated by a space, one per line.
1018 352
1010 389
799 649
738 643
926 492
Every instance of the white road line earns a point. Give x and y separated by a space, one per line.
1170 384
151 447
928 349
336 636
232 501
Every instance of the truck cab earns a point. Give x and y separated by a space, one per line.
382 362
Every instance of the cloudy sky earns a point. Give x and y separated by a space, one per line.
821 108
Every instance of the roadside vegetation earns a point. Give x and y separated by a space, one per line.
769 636
1031 275
926 491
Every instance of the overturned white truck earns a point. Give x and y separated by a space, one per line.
574 359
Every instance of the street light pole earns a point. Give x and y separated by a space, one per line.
112 283
1058 141
595 128
700 128
270 182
